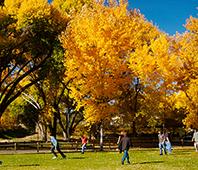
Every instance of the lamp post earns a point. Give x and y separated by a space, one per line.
137 89
136 82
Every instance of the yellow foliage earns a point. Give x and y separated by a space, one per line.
27 11
192 24
71 6
8 121
30 9
97 43
191 121
169 65
3 13
33 9
188 75
13 6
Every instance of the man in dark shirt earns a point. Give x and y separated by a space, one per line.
126 144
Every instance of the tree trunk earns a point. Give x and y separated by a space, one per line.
101 137
134 128
54 125
41 129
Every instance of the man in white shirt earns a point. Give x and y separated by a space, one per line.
195 140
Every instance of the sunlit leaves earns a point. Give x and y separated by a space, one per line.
71 7
106 46
30 30
188 81
168 66
97 43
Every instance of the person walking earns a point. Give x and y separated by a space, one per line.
118 142
55 146
162 146
125 144
84 143
195 140
168 143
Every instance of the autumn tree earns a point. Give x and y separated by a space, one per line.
98 43
167 67
61 108
154 64
29 34
44 23
187 79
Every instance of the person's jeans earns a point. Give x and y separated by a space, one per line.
58 149
168 146
53 150
125 156
83 147
162 147
196 146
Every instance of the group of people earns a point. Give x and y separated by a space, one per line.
55 146
164 143
124 143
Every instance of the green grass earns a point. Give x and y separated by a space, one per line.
141 159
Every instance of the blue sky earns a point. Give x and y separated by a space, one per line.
168 15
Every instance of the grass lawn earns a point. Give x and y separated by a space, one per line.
141 159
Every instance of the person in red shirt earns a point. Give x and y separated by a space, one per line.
84 143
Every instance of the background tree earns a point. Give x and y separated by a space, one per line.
96 58
30 32
168 67
57 97
187 79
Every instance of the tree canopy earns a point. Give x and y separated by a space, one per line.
95 61
28 36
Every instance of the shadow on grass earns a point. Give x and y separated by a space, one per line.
77 157
149 162
25 165
29 165
182 153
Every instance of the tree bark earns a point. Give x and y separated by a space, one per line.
101 137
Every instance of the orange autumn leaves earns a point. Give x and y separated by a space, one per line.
98 43
106 47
